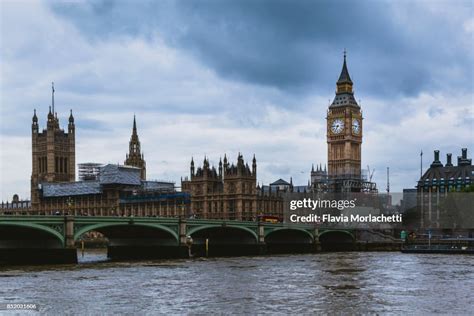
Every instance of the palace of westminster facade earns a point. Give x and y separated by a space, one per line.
228 192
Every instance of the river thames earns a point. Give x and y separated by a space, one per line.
350 282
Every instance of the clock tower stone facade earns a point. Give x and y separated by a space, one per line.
344 136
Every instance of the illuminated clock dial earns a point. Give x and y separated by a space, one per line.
356 126
337 126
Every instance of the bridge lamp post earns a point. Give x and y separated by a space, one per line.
69 202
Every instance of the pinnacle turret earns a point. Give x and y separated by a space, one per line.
71 118
135 157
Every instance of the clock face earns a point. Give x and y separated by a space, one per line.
337 126
356 126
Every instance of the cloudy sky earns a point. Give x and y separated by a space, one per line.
215 77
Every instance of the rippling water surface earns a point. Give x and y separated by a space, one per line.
349 282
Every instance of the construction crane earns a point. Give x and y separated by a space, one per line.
370 174
388 180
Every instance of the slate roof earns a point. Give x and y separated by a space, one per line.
71 188
93 187
449 174
446 173
115 174
344 99
344 76
280 182
109 174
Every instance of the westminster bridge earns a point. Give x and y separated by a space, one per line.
54 238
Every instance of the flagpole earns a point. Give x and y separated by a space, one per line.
52 96
421 164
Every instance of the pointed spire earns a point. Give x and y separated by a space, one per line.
220 166
35 118
312 167
134 125
344 77
192 167
71 118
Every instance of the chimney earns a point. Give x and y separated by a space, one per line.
449 160
462 160
436 162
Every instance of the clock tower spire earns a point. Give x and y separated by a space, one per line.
344 136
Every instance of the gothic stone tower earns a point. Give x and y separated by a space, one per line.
344 132
134 157
53 153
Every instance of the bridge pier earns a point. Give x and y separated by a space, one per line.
183 248
317 244
262 246
69 231
69 253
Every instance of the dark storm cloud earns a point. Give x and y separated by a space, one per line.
297 46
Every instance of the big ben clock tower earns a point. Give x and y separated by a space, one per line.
344 136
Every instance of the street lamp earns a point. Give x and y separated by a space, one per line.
69 202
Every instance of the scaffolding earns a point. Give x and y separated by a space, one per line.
89 171
352 183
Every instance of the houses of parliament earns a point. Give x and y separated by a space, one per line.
229 191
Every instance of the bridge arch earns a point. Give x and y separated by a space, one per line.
282 229
289 240
204 227
337 240
337 232
99 226
49 230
